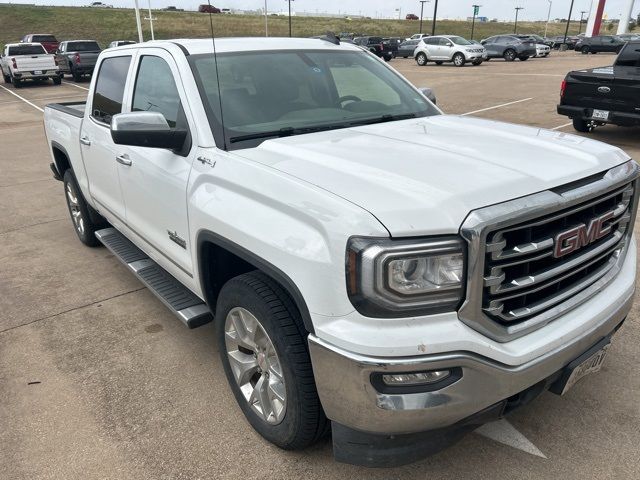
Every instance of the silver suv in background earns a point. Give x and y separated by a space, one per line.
449 48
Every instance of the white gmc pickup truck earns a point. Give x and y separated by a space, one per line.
372 266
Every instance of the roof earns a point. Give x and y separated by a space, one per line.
246 44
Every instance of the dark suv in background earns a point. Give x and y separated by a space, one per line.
601 43
374 45
510 47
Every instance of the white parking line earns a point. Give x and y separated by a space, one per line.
497 106
74 85
562 126
22 98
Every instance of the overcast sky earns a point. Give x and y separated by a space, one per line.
502 9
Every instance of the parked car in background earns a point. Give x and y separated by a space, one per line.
48 41
28 61
601 43
119 43
208 9
630 37
418 36
559 40
77 57
412 16
510 47
540 40
542 49
449 48
375 46
406 48
172 8
100 5
391 45
605 95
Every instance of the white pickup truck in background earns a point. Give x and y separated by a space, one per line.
28 61
371 265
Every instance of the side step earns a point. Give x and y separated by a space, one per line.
187 306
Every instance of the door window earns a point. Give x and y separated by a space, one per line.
156 91
444 42
107 99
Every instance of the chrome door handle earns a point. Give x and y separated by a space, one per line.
124 160
85 141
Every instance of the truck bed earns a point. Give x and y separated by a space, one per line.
71 108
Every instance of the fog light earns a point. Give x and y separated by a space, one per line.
420 378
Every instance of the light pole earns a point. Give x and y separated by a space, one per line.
151 21
435 14
289 15
422 2
139 25
399 10
515 28
476 10
581 20
266 20
566 32
546 27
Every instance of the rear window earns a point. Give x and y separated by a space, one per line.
107 99
629 56
27 50
44 38
83 47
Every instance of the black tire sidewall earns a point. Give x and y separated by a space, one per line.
238 293
509 57
422 55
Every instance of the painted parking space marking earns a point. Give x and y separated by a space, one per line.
497 106
74 85
22 98
559 127
503 432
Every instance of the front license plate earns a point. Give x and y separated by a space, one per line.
592 364
600 114
37 72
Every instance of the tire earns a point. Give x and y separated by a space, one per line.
477 62
77 77
84 218
585 50
387 58
421 59
57 80
509 55
459 60
439 62
7 78
405 56
581 125
253 297
523 59
16 82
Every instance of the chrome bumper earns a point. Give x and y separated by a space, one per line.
344 384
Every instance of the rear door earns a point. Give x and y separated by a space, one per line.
492 47
98 150
154 185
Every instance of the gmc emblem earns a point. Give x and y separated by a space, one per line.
571 240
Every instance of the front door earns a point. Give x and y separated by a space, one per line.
98 150
154 181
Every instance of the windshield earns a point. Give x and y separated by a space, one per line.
271 94
26 50
460 41
83 47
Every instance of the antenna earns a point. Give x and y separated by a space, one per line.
215 61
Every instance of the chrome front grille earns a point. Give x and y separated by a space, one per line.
534 258
522 278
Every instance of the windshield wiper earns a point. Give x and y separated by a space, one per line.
385 118
285 132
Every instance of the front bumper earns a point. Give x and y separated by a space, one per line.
623 119
348 397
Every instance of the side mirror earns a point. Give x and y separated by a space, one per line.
146 129
427 92
449 44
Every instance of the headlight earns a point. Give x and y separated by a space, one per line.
401 278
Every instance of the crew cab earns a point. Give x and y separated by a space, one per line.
375 45
48 41
77 57
28 61
366 271
605 95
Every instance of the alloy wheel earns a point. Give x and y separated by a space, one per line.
74 208
255 365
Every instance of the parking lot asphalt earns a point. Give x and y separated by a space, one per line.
99 380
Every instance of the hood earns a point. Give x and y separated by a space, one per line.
423 176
